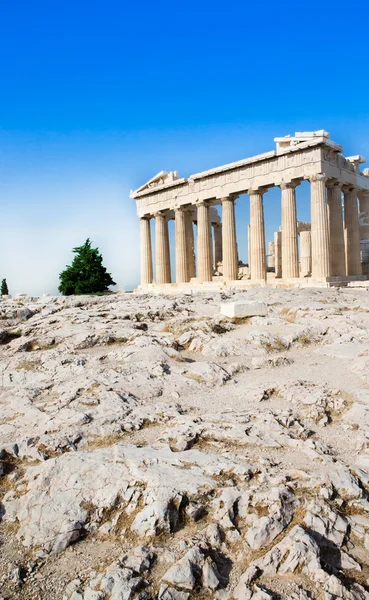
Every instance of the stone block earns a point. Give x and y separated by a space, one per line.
241 309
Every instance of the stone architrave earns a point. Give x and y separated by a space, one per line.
320 255
218 245
257 259
352 232
191 259
229 243
146 251
278 253
305 253
290 253
162 249
181 246
204 253
271 264
336 234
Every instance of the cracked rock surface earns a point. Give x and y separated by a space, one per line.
154 448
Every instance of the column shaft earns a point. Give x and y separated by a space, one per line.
162 249
271 264
146 252
290 255
364 215
229 243
257 239
204 243
305 253
190 245
218 247
352 233
181 247
336 235
278 253
320 255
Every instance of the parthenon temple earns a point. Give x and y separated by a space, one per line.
332 249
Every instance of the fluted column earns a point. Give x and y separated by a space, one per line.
181 246
204 254
290 253
320 255
162 249
305 253
257 238
191 261
352 232
218 247
336 235
364 214
278 253
145 251
271 263
229 243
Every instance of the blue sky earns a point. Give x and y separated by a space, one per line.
97 97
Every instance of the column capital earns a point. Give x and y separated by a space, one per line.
318 177
349 188
161 213
257 190
289 185
146 218
363 193
202 203
229 198
333 183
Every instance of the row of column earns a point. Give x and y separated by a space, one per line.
332 248
225 245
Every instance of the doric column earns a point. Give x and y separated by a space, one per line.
364 214
204 253
278 253
218 248
320 255
145 251
162 249
290 254
229 243
257 259
336 236
352 232
271 263
191 260
181 246
305 253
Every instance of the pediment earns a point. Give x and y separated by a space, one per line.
161 178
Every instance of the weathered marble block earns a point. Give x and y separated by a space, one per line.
241 309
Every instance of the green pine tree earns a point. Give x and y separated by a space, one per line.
4 288
86 274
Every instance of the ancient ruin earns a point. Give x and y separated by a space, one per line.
332 250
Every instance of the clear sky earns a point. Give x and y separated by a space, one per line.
96 97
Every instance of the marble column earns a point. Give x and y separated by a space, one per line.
229 243
278 253
364 229
218 248
364 214
352 232
181 246
162 249
271 264
336 235
204 254
145 251
191 260
305 253
320 255
257 258
290 253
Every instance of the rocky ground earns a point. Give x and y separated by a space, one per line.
151 448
